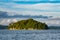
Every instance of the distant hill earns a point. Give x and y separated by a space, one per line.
28 24
54 27
3 27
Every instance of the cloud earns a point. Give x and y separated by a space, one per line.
29 0
16 7
33 9
7 21
50 22
53 22
5 15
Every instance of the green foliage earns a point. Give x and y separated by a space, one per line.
26 24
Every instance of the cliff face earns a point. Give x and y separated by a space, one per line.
28 24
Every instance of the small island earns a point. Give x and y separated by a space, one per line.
28 24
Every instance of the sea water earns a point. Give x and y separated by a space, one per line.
30 34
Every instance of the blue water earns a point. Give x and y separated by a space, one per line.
29 34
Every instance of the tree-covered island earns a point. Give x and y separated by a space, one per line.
28 24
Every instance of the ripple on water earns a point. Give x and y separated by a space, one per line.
29 34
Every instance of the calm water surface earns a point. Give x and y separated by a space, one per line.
29 34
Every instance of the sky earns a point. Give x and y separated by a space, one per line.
32 7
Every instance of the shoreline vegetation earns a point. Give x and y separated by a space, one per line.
28 24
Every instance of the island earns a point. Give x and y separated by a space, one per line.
28 24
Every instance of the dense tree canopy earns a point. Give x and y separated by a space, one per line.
27 24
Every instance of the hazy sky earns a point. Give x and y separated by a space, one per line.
32 7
